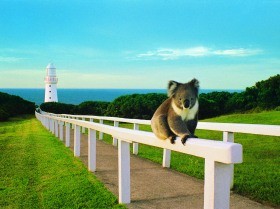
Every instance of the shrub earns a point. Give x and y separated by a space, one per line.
207 108
277 108
15 105
91 108
57 107
264 95
3 115
140 106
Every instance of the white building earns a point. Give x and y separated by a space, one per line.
50 84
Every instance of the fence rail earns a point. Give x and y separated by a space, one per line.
219 156
228 130
258 129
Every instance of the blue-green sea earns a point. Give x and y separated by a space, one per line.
76 96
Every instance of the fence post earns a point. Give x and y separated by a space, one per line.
61 130
77 138
229 137
100 133
83 128
52 126
135 145
67 135
216 185
43 121
91 150
47 123
115 140
91 120
166 158
73 126
124 171
56 128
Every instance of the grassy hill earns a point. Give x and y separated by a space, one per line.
38 171
11 105
266 117
258 177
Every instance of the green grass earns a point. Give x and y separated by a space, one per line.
258 177
266 117
38 171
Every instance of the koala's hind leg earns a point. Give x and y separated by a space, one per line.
186 137
161 128
172 139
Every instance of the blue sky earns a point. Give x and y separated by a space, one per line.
139 43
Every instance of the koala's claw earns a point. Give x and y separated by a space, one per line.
172 139
184 139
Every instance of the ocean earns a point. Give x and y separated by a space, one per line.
77 96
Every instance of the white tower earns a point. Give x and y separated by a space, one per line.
50 84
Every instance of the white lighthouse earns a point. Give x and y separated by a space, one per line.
50 84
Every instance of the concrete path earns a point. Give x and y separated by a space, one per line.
152 186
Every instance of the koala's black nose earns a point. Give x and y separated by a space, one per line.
187 103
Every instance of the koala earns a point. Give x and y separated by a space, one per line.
177 115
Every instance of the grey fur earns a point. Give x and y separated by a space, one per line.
177 116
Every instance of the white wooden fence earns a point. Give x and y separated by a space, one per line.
228 130
219 156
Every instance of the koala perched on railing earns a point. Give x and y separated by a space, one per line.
177 116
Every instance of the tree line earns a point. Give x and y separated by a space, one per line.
264 95
11 105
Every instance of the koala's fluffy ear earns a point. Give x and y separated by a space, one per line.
195 83
172 86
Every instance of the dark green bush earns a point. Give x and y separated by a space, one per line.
57 107
91 108
15 105
141 106
3 115
207 108
264 95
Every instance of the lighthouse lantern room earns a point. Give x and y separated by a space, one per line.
50 84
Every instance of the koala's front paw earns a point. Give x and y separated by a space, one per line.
172 139
184 139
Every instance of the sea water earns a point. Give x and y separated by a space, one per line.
77 96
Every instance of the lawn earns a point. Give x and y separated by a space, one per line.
38 171
258 177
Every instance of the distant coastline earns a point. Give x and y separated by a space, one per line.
76 96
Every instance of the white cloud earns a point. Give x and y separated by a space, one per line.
238 52
25 78
74 79
171 54
200 51
75 51
11 59
22 78
211 76
27 51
